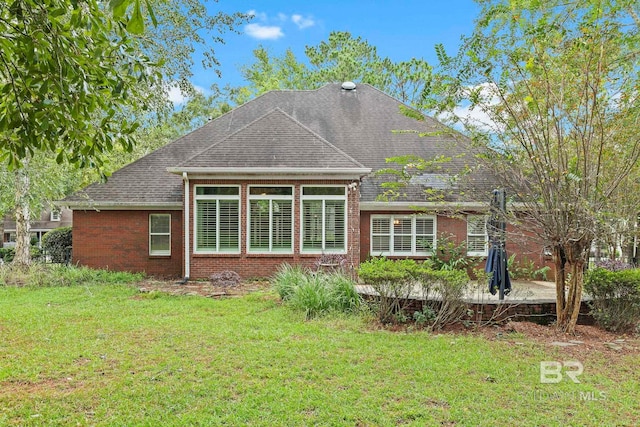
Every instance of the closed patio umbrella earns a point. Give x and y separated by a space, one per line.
497 257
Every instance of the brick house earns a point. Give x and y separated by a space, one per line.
286 177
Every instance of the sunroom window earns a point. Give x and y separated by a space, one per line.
270 219
324 219
396 235
217 219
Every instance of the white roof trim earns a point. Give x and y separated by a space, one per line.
97 206
249 171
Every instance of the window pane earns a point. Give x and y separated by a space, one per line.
312 224
160 223
160 244
259 225
323 191
402 243
402 226
424 243
334 224
217 191
380 244
271 191
476 225
206 225
380 226
476 244
229 225
282 222
424 226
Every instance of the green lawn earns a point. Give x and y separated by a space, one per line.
107 355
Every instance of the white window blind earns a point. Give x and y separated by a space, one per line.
402 235
476 235
270 219
324 221
217 219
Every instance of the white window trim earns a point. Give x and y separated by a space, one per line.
159 253
344 198
486 237
270 197
55 216
196 198
391 251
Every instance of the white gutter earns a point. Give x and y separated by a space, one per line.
187 243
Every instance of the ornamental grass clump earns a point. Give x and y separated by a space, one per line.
316 293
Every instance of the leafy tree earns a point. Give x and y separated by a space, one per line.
75 76
552 88
341 58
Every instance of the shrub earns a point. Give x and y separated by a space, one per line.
526 269
613 265
56 244
616 297
393 281
451 256
7 254
399 282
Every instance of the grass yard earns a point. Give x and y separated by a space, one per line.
109 355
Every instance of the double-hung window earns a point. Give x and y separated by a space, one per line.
270 219
160 234
400 235
217 219
476 235
324 219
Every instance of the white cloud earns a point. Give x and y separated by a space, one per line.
302 22
263 32
175 95
259 15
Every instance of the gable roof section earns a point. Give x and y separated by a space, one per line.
333 128
273 143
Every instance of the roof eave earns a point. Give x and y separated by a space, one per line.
272 173
115 205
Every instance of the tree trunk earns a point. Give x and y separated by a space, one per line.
574 255
23 218
559 261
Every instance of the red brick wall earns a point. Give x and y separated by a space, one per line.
265 265
119 240
519 241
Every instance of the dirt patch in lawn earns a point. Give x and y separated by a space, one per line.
203 288
587 339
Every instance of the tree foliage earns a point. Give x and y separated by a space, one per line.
551 90
342 57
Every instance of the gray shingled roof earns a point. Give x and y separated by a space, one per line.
275 140
328 126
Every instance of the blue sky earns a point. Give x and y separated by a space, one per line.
399 29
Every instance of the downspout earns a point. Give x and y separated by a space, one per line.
187 243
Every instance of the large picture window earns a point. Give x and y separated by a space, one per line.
324 219
160 234
402 235
477 235
270 219
217 219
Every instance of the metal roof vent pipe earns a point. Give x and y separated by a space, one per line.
348 86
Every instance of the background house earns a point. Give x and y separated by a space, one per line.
287 177
47 220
